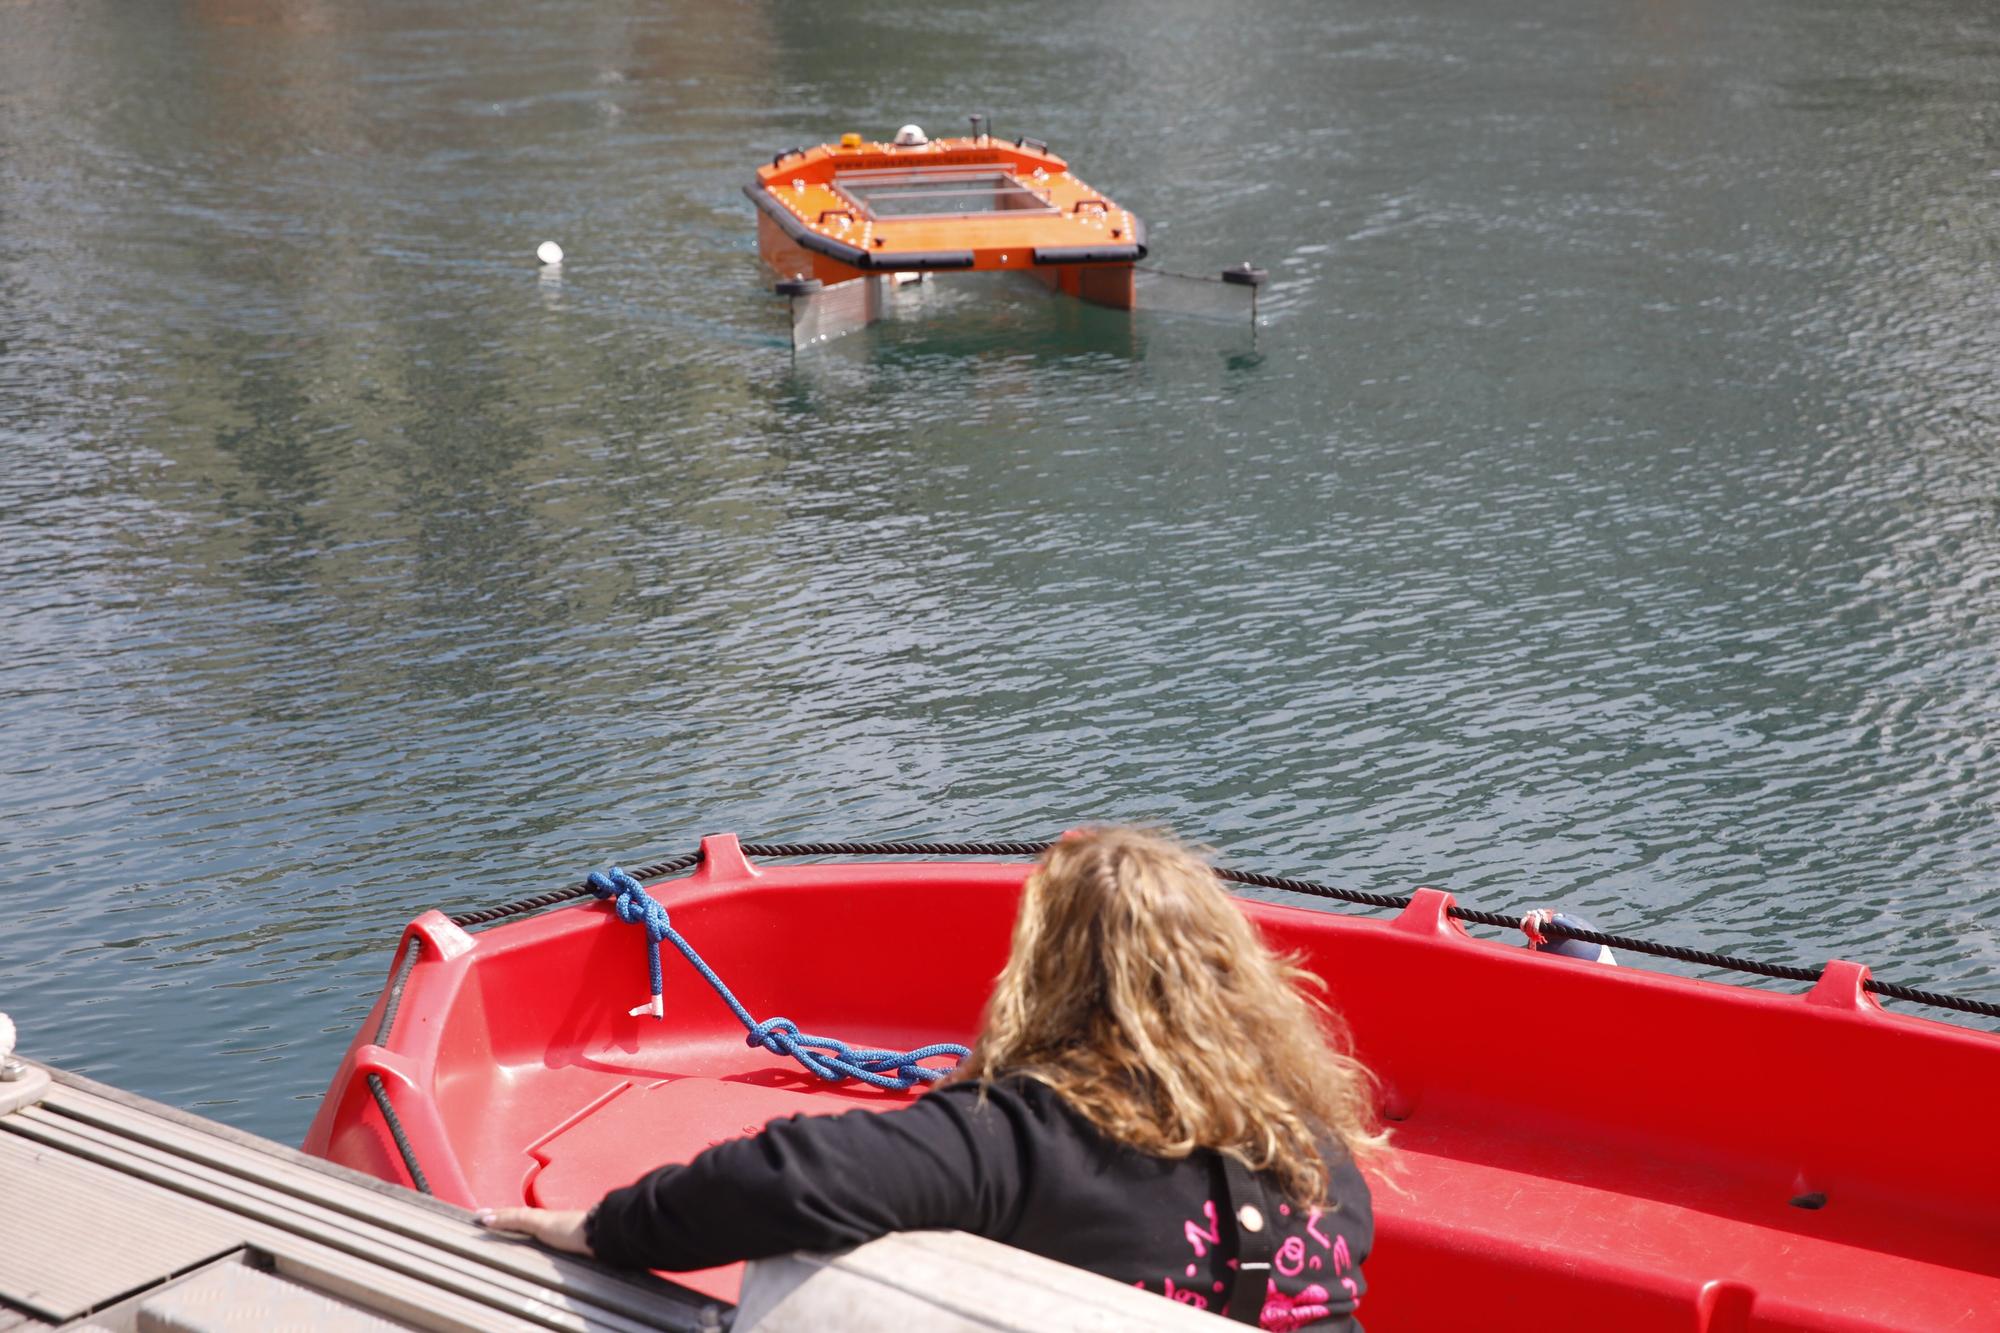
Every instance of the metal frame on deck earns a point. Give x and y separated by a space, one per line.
866 188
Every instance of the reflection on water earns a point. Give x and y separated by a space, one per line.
1603 516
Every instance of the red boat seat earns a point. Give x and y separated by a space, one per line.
675 1119
1545 1225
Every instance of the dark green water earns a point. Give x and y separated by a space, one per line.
1607 514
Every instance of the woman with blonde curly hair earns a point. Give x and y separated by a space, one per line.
1153 1095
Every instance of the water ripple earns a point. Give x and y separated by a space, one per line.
1604 515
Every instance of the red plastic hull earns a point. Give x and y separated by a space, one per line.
1583 1147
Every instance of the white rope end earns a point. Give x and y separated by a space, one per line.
652 1006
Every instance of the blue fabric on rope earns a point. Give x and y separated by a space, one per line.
835 1061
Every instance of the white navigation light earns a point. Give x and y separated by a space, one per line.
549 252
911 136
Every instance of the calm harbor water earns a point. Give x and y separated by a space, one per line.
1607 513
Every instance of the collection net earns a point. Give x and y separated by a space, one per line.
835 311
1159 291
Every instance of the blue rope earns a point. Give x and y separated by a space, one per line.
835 1061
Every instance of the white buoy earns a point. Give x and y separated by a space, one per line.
549 252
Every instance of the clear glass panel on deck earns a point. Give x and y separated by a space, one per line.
938 192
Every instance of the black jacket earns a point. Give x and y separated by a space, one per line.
1022 1168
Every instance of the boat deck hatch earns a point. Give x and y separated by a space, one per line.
938 192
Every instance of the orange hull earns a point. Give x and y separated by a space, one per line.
838 212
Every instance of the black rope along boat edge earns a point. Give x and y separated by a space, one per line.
1388 901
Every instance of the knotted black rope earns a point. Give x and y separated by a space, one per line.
380 1090
1699 957
1308 888
581 889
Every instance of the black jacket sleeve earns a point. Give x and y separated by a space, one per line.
823 1183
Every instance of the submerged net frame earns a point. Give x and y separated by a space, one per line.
1198 295
836 310
841 308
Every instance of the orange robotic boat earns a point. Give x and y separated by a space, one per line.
842 223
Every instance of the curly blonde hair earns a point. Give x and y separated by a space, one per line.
1139 993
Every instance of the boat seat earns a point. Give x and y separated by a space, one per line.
1641 1242
638 1127
1644 1244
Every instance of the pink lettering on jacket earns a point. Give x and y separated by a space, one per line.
1312 1229
1282 1313
1342 1261
1199 1238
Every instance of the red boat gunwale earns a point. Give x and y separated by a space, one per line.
1582 1147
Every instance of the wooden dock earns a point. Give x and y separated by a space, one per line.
122 1215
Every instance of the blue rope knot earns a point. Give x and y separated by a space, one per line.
828 1058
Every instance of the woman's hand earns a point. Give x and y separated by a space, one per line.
559 1229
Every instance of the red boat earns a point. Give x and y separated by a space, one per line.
1581 1146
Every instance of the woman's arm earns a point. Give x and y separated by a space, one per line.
809 1183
